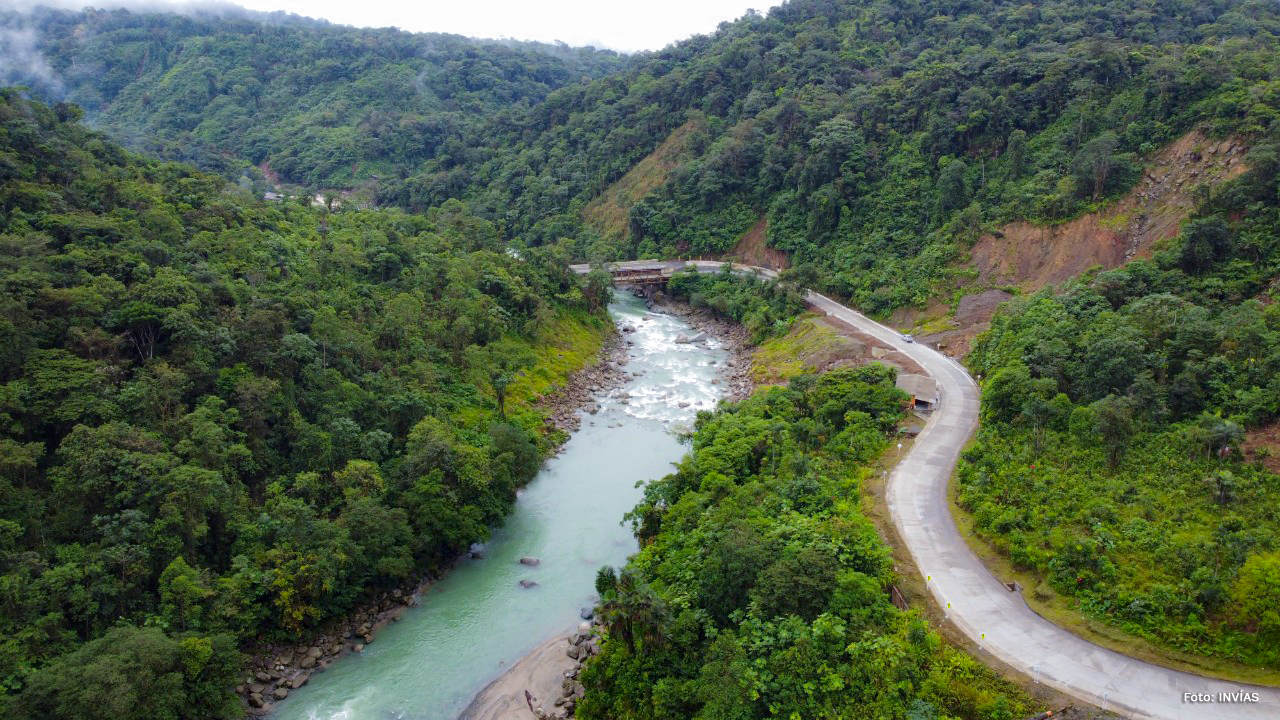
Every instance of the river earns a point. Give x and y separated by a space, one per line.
477 620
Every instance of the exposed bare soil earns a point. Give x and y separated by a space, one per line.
1263 444
1025 257
752 249
1036 256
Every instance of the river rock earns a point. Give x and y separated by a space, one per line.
358 647
572 651
526 584
285 659
262 676
683 404
314 652
624 396
587 613
299 680
280 693
683 339
255 700
530 561
307 663
257 689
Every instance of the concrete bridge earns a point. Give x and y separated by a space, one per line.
637 272
994 617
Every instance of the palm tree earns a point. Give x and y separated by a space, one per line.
630 610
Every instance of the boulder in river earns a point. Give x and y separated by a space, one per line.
255 700
683 339
280 693
530 561
586 613
526 583
307 663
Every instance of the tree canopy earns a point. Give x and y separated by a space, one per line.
224 420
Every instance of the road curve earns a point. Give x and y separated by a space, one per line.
998 620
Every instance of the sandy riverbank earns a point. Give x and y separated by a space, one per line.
541 673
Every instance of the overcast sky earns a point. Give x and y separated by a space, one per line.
627 26
624 26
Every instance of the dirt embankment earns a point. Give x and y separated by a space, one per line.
821 343
1029 257
752 249
1036 256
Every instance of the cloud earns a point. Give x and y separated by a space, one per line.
22 63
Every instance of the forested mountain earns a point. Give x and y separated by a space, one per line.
876 140
223 420
319 105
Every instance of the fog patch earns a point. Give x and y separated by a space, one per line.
22 63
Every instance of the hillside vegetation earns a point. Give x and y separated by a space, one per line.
761 589
320 365
318 105
880 139
1114 416
223 421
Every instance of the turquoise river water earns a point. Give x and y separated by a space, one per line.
477 621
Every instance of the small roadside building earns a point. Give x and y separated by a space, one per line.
922 389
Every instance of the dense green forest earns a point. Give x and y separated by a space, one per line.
307 382
324 106
878 138
764 308
761 590
224 421
1113 418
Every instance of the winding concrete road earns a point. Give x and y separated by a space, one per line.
998 620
